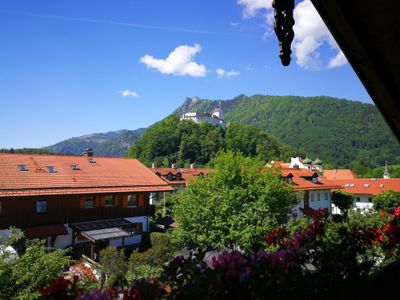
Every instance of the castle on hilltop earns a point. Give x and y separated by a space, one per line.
216 117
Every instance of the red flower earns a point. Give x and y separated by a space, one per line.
397 211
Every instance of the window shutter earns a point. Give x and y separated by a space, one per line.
125 201
82 202
141 200
102 200
97 201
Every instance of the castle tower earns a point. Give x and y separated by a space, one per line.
218 112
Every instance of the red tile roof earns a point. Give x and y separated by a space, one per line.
339 174
105 175
302 182
369 186
188 174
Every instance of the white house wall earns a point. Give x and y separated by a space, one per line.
321 199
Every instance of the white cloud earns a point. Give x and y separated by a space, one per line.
251 7
310 33
338 60
179 62
227 74
128 93
234 24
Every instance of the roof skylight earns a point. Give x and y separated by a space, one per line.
366 185
75 167
51 169
23 168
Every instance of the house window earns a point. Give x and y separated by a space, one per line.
312 197
319 197
289 179
315 179
369 200
41 206
75 167
109 200
88 202
358 199
326 196
23 168
132 200
0 208
51 169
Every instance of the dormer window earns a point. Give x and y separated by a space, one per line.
289 179
91 160
314 179
23 168
51 169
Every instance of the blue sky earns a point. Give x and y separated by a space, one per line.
72 67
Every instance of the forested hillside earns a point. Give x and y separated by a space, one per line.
113 143
340 132
184 142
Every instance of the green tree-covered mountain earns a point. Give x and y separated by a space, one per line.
113 143
184 142
338 131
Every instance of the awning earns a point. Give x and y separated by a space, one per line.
39 232
102 224
105 234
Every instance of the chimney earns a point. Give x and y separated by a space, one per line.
88 152
173 166
192 166
153 165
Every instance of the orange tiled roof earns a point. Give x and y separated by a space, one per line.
369 186
188 174
302 184
105 175
339 174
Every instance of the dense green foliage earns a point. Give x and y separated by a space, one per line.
113 143
387 201
149 263
233 207
342 200
337 131
394 172
25 151
185 142
21 277
113 263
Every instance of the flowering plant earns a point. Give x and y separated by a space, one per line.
324 260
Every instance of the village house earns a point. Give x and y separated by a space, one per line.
177 178
75 199
313 191
363 190
339 174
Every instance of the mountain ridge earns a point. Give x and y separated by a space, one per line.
339 131
111 143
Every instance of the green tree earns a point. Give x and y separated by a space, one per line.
387 201
149 263
20 277
234 206
343 200
113 263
